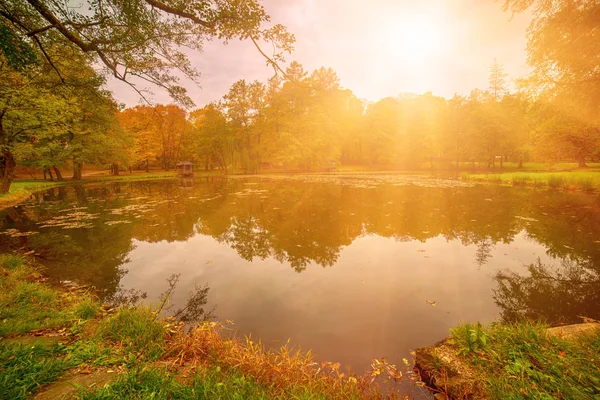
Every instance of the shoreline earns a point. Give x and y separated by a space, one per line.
584 181
104 348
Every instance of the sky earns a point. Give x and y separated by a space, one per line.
378 48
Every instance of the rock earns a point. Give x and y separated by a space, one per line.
442 369
448 373
569 331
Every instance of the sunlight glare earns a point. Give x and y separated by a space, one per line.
414 39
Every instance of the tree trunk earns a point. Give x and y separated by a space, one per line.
49 172
59 176
581 162
8 169
76 171
115 169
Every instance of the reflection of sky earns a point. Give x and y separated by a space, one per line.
371 303
377 48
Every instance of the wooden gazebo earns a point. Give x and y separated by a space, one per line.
185 168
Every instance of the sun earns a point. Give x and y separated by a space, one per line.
413 39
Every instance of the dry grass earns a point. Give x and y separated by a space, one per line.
285 371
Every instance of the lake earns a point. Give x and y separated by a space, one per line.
351 267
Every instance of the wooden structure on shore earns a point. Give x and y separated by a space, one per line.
185 168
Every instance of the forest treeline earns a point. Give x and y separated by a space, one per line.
55 111
307 122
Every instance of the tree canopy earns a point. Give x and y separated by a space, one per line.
138 40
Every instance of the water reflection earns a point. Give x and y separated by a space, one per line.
558 294
385 248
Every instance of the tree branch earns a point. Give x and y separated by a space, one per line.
37 41
180 13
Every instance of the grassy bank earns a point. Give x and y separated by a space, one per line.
525 361
51 335
588 180
21 190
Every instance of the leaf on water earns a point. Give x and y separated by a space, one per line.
110 223
209 262
526 218
431 303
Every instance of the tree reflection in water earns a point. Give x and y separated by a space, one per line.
191 312
554 294
304 224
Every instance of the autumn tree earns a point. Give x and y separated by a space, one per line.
138 122
159 133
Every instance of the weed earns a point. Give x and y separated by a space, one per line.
136 329
88 308
586 184
520 180
469 338
556 181
11 261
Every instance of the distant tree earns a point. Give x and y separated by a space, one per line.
245 103
211 135
497 80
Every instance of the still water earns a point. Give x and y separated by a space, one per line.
353 268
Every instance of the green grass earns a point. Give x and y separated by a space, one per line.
25 303
588 181
158 383
25 368
22 189
520 361
136 329
88 308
